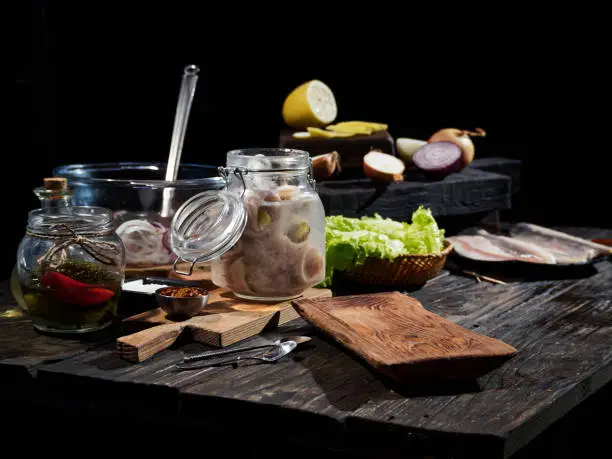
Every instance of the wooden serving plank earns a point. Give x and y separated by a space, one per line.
396 335
225 320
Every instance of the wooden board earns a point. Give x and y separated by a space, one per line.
399 337
351 149
225 320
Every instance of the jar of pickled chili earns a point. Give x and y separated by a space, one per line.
70 266
264 233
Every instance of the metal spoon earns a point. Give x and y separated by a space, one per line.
181 117
272 355
217 353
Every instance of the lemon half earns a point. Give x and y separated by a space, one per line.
310 104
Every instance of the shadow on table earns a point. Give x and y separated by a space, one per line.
513 271
343 286
350 382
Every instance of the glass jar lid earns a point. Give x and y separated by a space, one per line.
206 226
269 159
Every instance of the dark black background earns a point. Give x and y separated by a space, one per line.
98 81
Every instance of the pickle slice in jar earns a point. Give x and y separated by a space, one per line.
299 232
263 217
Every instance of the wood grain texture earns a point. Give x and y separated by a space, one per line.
469 191
351 149
396 335
201 272
320 396
224 321
503 166
23 349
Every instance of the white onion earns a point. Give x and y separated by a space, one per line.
144 243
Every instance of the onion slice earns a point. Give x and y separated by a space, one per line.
439 158
462 138
144 242
383 167
406 147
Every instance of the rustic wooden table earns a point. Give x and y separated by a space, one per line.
321 398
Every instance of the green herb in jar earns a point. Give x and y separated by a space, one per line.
77 294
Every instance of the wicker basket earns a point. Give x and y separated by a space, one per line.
409 269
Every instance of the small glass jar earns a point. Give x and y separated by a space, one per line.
265 233
70 266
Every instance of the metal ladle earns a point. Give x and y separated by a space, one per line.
181 118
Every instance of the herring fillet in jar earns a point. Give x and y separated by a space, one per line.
282 250
264 234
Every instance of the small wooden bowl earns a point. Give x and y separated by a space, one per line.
405 270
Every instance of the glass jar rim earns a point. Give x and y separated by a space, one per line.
80 219
269 159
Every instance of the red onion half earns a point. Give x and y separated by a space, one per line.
439 159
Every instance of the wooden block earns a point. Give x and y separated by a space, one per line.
224 321
503 166
351 149
396 335
469 191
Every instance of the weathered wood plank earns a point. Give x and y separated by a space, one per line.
312 391
23 349
322 395
467 192
560 330
504 166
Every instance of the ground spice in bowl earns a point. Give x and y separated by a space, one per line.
183 292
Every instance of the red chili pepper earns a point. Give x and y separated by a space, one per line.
74 292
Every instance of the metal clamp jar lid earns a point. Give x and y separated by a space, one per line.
210 223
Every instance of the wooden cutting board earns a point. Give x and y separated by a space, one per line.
396 335
225 320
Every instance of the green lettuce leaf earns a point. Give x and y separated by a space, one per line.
350 241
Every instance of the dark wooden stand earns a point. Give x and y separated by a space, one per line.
487 185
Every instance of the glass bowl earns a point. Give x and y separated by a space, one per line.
136 191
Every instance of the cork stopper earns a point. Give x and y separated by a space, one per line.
56 184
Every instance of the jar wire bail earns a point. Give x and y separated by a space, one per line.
239 172
184 273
